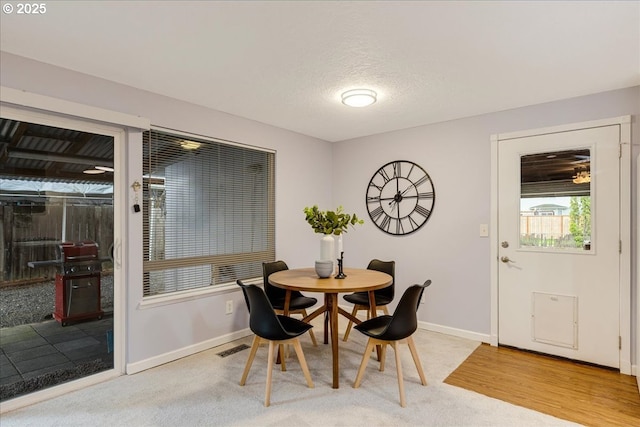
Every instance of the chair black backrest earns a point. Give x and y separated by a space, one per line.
404 321
274 293
388 267
263 321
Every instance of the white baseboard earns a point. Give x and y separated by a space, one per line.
58 390
152 362
626 367
470 335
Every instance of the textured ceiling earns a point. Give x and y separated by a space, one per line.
286 63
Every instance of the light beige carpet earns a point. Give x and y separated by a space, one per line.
203 390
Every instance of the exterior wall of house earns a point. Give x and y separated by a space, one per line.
309 171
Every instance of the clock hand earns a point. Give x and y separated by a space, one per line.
407 189
396 199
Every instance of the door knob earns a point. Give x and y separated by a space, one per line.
506 259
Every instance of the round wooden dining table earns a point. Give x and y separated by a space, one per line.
356 280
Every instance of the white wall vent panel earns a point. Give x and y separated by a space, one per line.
554 319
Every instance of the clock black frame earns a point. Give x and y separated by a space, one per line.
400 197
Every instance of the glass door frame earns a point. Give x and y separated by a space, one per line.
33 108
626 237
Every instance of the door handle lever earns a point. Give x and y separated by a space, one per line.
506 259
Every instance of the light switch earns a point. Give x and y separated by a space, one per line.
484 230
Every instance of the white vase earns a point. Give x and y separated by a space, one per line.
327 249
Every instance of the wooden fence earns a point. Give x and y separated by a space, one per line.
34 235
551 226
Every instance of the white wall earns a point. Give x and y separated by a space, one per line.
456 154
309 171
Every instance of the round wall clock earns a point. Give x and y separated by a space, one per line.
400 197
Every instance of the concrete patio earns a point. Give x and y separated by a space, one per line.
39 355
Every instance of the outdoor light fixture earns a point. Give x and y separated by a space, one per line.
93 171
582 176
190 145
105 168
359 97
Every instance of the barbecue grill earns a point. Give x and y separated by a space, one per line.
77 281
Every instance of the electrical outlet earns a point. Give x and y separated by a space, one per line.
229 307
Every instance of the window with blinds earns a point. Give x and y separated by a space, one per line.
209 211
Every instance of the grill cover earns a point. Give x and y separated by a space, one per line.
78 251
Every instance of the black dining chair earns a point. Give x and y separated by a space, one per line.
384 296
272 328
298 303
391 330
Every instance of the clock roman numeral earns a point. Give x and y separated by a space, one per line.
426 195
423 211
386 221
396 170
375 214
373 184
383 173
373 199
421 181
413 223
411 169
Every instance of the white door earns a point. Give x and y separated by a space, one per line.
559 244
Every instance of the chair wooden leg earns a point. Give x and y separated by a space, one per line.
350 324
416 359
383 355
252 354
326 323
396 348
282 357
272 355
303 362
363 364
311 334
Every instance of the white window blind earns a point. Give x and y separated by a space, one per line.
208 209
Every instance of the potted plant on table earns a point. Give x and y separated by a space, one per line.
330 223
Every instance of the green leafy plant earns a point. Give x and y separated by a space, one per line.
330 222
580 219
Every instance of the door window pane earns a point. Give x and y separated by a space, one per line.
555 200
56 268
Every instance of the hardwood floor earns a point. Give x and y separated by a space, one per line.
582 393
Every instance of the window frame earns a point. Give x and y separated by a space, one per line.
197 292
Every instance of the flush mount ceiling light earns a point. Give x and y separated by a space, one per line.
105 168
359 97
